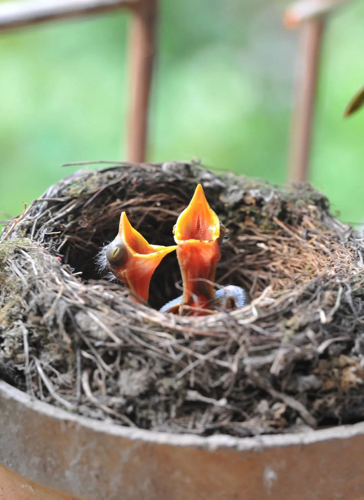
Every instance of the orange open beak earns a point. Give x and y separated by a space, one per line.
133 260
198 234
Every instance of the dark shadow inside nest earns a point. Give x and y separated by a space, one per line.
255 254
165 281
82 257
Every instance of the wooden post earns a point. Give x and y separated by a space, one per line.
311 39
142 52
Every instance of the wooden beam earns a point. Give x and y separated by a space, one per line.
305 96
27 13
311 16
142 54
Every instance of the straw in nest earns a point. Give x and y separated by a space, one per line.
290 360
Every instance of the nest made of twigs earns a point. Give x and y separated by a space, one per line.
290 360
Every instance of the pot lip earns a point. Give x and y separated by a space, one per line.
257 443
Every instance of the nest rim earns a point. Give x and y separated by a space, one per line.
217 327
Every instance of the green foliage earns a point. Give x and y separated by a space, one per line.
223 93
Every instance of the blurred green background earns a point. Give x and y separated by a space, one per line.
222 93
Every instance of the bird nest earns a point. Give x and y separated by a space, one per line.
291 360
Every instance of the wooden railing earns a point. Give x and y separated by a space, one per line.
15 15
309 15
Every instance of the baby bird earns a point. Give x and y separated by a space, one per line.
132 260
198 234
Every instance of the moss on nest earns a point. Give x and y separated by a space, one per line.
289 360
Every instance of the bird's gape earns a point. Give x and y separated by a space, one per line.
197 234
133 260
198 229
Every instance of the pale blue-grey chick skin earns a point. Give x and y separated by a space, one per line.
235 294
228 298
170 304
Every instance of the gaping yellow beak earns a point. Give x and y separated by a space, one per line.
133 260
198 233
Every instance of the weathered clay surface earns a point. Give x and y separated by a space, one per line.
94 460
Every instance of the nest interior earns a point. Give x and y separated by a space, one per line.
292 360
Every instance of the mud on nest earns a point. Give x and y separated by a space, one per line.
292 360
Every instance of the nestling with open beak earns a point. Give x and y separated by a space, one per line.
133 260
198 234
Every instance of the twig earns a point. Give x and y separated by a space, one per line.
87 390
102 325
15 223
288 400
51 389
28 379
202 359
94 162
